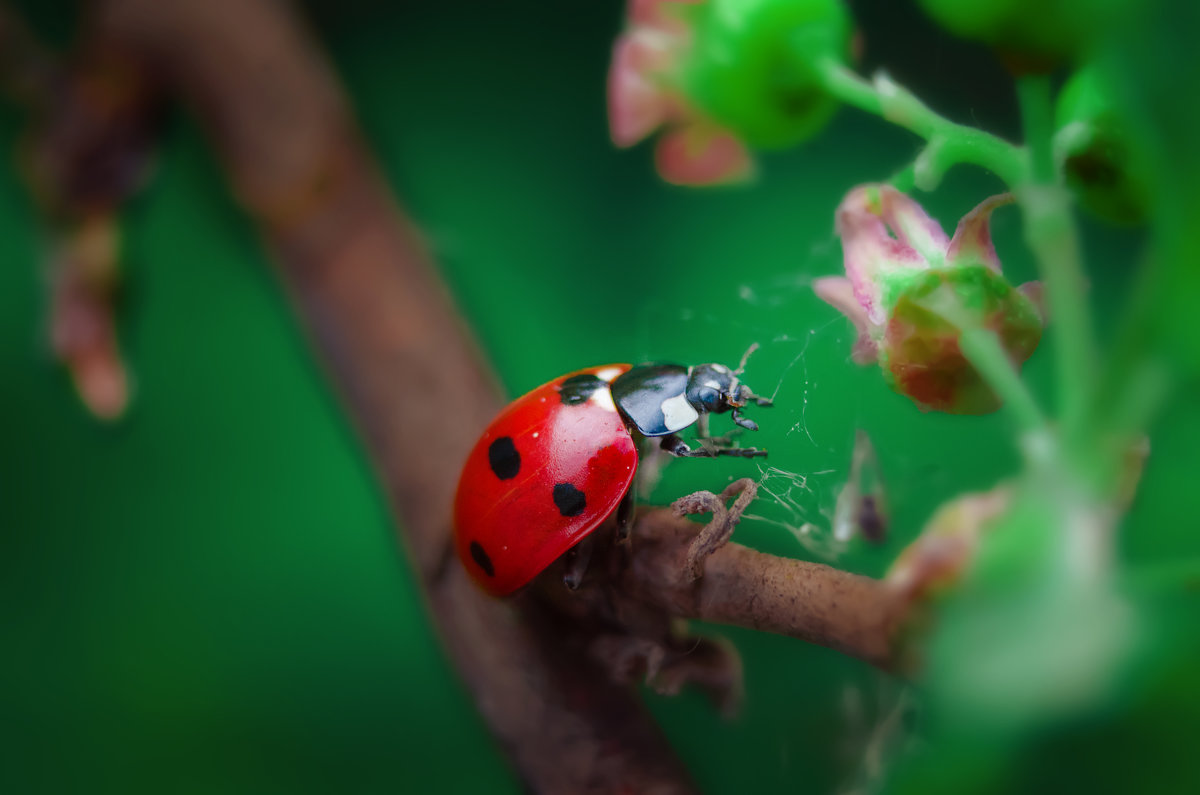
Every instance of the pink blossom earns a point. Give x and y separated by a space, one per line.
644 96
908 288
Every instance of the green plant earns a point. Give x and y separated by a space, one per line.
1039 620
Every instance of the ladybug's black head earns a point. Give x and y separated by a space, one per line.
715 389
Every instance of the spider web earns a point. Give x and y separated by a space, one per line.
791 499
798 501
877 730
807 492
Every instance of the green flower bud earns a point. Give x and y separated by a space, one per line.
1094 144
1031 35
751 66
920 356
717 77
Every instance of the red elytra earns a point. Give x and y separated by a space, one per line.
546 473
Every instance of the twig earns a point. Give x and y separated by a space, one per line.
819 604
948 143
94 123
717 532
1052 236
653 576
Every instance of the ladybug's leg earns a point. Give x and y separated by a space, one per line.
738 419
577 559
725 441
702 435
625 512
677 447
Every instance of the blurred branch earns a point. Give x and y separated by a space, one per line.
420 393
26 69
410 374
94 125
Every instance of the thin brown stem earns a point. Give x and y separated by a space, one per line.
856 615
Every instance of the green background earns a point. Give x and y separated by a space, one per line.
208 597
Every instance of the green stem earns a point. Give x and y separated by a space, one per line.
1135 380
949 148
983 350
949 143
849 87
1135 403
904 180
1051 235
1037 123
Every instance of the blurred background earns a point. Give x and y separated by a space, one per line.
208 595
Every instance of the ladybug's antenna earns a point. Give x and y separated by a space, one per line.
745 357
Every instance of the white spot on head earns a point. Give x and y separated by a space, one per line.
678 413
608 374
603 397
535 434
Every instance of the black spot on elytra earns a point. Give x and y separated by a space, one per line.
503 458
481 557
578 388
568 499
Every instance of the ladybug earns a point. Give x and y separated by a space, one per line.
561 459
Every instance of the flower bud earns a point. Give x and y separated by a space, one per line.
752 66
910 291
720 76
1030 35
1097 152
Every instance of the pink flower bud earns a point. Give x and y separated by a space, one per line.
719 76
644 95
910 290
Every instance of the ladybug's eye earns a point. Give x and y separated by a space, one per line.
709 398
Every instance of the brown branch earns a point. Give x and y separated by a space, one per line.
420 393
655 574
819 604
409 372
